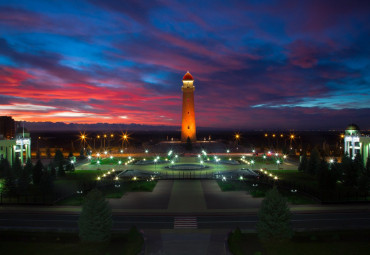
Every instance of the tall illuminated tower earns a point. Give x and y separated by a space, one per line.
188 129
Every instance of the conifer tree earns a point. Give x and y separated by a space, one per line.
4 165
351 170
38 154
53 171
28 167
48 153
9 188
58 157
364 181
61 171
326 176
95 222
25 177
274 218
37 172
313 162
46 183
82 153
303 164
17 168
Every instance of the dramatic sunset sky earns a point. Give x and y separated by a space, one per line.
256 64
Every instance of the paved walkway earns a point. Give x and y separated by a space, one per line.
184 242
187 196
157 199
216 199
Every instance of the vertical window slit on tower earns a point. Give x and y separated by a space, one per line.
188 127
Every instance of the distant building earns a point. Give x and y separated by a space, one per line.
7 127
188 128
17 147
355 143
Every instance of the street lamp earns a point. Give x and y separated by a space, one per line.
155 164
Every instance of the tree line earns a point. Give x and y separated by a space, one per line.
350 172
30 178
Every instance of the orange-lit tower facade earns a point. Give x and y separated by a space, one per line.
188 128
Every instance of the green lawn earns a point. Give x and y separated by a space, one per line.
297 177
308 243
83 175
261 189
113 192
38 243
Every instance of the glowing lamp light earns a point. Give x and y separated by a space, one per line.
120 162
98 154
264 156
146 151
98 178
121 151
89 157
277 161
111 157
105 152
252 161
98 161
284 157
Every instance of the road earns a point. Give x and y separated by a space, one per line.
63 221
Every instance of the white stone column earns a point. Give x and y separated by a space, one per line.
353 148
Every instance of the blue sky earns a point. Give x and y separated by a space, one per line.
256 64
